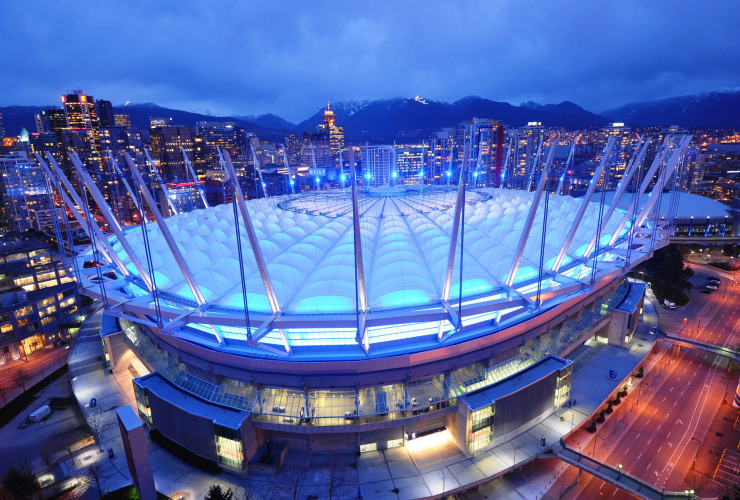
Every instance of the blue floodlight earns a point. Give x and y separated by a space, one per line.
475 174
292 182
421 174
395 174
263 184
448 173
367 176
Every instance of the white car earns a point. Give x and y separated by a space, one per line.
711 287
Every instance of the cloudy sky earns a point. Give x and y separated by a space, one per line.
288 58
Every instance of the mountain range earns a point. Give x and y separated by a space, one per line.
716 108
400 118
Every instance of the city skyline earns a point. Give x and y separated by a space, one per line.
239 63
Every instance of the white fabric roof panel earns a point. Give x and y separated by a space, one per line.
405 240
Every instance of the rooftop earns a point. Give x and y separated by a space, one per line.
488 396
165 390
689 205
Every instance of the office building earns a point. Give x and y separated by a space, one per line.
228 136
157 121
335 132
38 296
122 120
380 166
24 193
167 144
623 149
105 113
2 126
441 156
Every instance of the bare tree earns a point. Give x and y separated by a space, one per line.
695 481
99 423
20 376
336 479
5 389
65 442
290 482
48 450
95 474
248 491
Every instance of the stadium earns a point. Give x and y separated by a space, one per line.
355 319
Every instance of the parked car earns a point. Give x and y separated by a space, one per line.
711 287
667 304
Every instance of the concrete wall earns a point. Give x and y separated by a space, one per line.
617 328
191 431
119 352
524 407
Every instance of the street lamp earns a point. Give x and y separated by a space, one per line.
602 439
727 387
619 473
693 466
571 422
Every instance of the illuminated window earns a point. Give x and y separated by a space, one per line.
368 447
229 447
23 311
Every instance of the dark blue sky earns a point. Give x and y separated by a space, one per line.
288 58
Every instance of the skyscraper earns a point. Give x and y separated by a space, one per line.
122 120
380 163
80 111
226 135
440 149
626 141
336 133
486 138
82 116
105 113
522 165
157 121
2 127
167 145
24 192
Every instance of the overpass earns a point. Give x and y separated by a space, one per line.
695 344
612 475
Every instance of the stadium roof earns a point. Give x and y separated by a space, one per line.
689 204
405 243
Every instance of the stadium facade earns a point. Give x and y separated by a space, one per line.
356 319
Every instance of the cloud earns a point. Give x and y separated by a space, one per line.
288 58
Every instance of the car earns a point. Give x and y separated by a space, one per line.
715 280
711 287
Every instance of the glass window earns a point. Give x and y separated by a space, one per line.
229 447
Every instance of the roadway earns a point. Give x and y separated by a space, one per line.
657 439
37 363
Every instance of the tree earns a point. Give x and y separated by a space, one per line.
99 423
65 442
5 494
668 270
20 482
5 389
336 479
20 376
291 480
96 473
48 450
248 491
215 492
